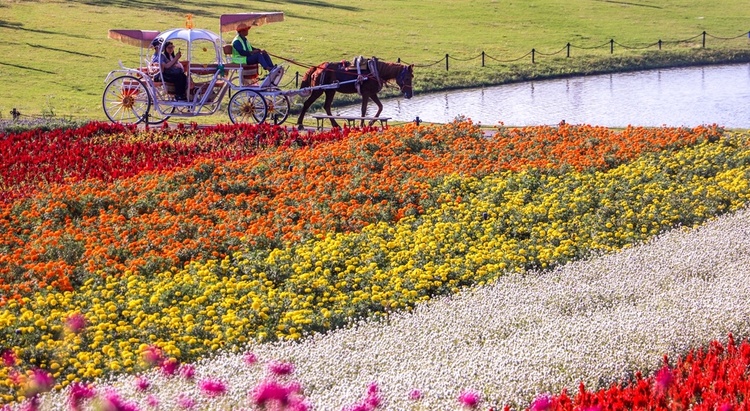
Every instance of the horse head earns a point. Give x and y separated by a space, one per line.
404 79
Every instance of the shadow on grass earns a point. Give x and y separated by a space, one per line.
199 8
18 26
39 46
26 68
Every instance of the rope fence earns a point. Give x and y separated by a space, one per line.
567 48
16 115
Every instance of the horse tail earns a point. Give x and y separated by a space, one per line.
307 79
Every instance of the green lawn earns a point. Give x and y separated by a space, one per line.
55 55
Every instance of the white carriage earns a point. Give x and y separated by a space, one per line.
137 94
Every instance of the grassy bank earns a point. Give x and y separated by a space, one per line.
56 66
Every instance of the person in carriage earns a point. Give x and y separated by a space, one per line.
170 67
244 53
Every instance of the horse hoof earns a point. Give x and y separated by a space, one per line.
300 127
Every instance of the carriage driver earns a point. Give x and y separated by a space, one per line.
244 53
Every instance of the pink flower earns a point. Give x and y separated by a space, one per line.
76 323
39 382
169 367
78 393
141 383
469 399
113 402
212 388
9 358
281 368
152 401
153 355
415 395
269 391
185 402
272 393
187 371
542 403
250 358
663 379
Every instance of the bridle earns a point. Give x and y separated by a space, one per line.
401 79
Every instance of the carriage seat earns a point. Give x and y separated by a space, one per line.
249 71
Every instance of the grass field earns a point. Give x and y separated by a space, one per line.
55 55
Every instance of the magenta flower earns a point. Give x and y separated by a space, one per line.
269 391
75 323
142 383
169 367
113 402
187 371
212 387
415 395
78 394
9 358
469 399
40 381
152 401
663 379
186 402
542 403
281 368
153 355
272 393
250 358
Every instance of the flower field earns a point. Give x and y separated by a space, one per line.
199 268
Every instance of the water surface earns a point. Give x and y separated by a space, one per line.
688 96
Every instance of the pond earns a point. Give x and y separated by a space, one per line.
687 96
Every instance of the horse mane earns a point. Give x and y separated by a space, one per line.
388 70
307 78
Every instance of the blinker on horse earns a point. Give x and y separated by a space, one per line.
365 81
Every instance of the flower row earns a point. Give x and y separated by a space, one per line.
597 321
510 221
155 221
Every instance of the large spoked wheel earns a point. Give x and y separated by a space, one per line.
126 100
278 108
247 106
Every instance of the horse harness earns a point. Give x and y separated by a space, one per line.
365 68
372 65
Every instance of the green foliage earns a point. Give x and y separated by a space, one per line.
57 66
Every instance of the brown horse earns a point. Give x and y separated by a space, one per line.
344 78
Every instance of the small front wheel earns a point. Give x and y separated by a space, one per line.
278 108
126 100
247 106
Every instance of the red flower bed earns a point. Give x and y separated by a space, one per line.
108 152
716 378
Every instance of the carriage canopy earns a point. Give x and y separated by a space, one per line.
229 22
141 38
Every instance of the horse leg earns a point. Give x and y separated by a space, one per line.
327 106
380 107
313 96
365 100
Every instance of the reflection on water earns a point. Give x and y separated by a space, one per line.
672 97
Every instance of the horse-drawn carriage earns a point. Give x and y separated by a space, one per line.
140 94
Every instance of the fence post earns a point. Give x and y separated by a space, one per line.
482 59
296 79
568 46
659 44
446 61
611 46
704 39
533 51
398 60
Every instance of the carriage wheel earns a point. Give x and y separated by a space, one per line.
278 108
154 118
126 100
247 106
